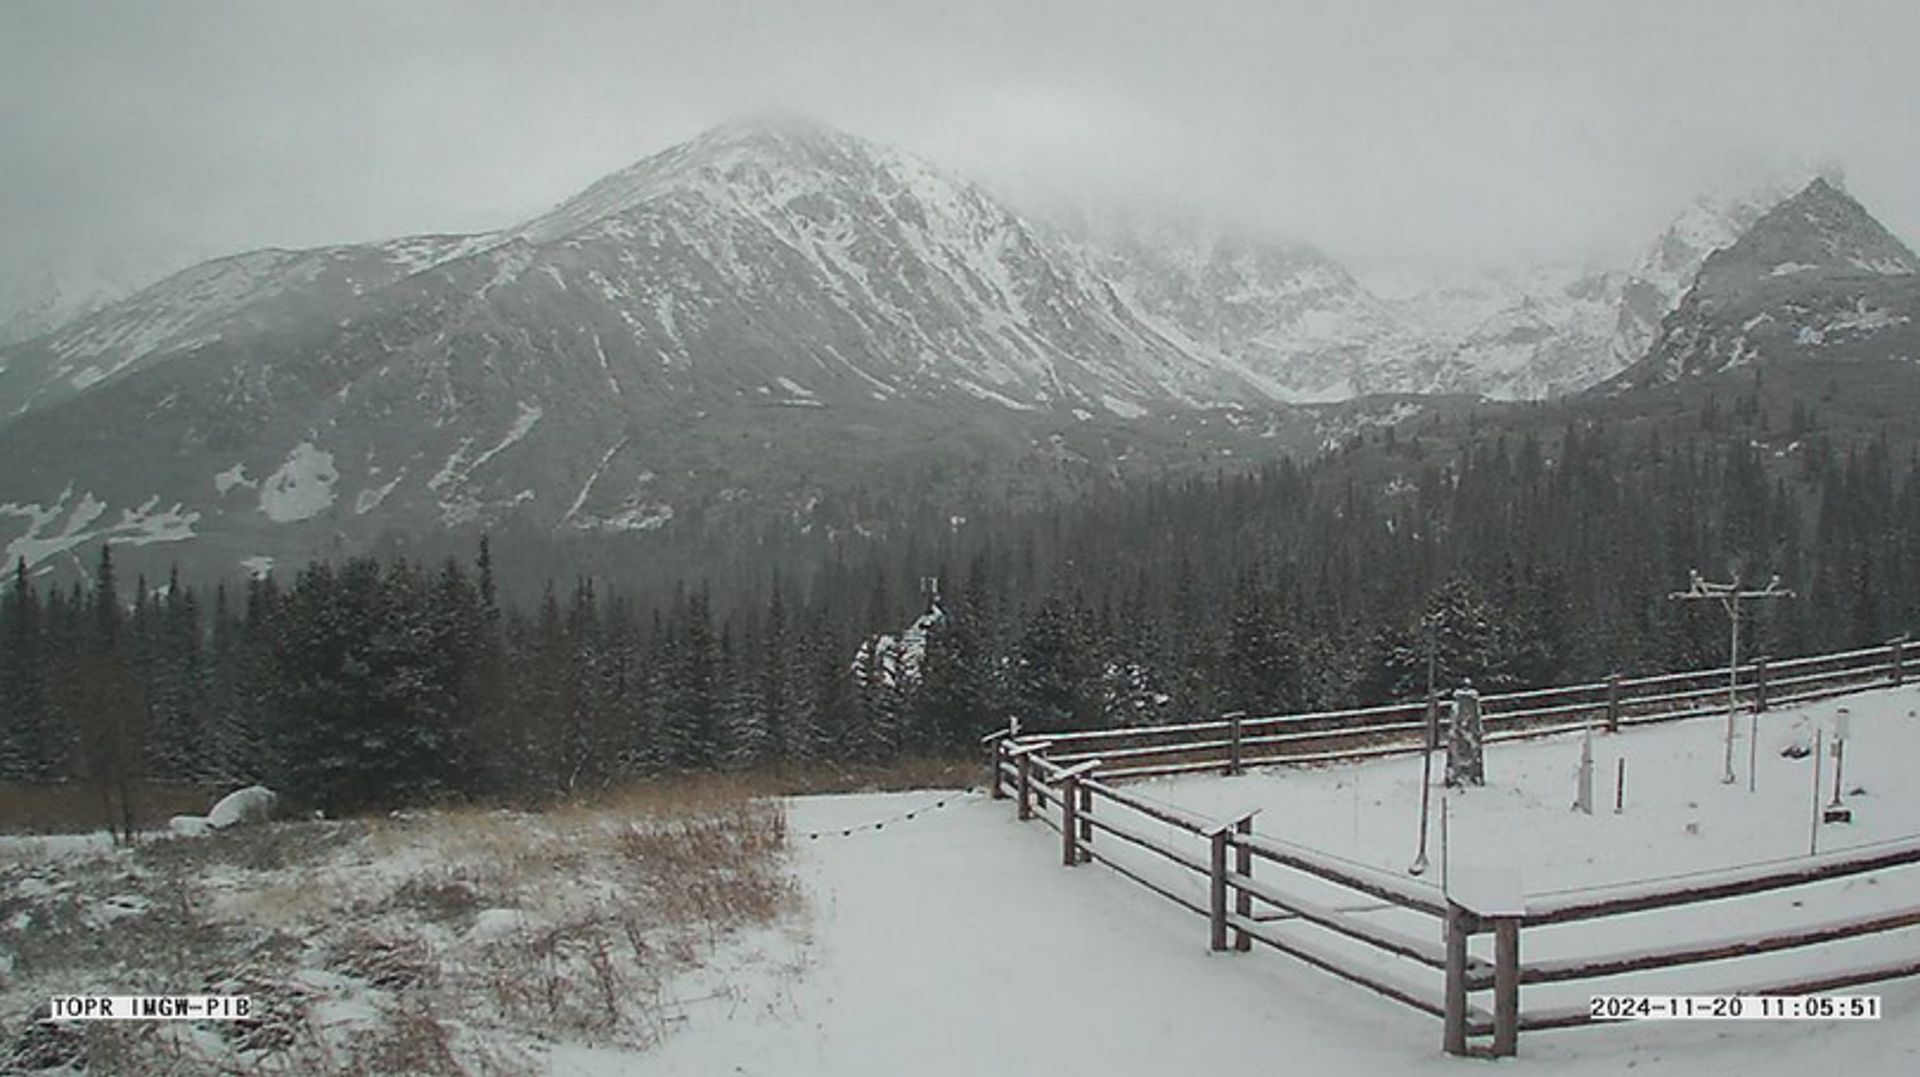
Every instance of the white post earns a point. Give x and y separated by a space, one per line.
1419 865
1583 790
1733 674
1813 842
1842 729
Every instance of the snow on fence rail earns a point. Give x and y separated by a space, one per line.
1302 901
1213 875
1234 742
1546 911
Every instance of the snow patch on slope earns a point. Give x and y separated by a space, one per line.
371 497
46 534
232 477
302 487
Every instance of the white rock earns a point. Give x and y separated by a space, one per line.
490 925
254 804
188 826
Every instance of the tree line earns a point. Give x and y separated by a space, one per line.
1508 558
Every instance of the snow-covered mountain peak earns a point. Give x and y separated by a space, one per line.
1820 229
1815 277
779 166
1711 223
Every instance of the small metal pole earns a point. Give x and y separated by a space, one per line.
1620 786
1243 866
1419 865
1819 742
1583 784
1733 676
1839 759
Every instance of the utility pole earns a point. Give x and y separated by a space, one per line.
1419 865
1729 595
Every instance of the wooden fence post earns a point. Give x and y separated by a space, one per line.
1760 684
1026 786
1233 741
1506 987
1243 864
1218 838
996 743
1459 926
1217 875
1073 801
1024 753
1086 824
1613 702
1898 644
1069 819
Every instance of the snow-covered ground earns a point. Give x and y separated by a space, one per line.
955 943
948 940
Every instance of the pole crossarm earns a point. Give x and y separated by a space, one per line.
1729 595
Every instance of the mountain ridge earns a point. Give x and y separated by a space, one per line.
1815 278
745 328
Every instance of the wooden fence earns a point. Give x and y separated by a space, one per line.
1234 742
1405 938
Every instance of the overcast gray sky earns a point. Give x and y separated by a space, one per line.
1389 133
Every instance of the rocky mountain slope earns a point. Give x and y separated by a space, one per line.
1816 277
740 328
773 324
1553 330
1283 314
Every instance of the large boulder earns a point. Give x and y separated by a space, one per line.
254 804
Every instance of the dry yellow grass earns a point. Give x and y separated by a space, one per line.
74 807
511 925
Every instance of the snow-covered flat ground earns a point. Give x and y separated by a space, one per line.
955 943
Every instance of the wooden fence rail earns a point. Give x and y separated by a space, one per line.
1066 779
1236 742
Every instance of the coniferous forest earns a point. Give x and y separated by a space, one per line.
1523 559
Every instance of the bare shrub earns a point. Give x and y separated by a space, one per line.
409 1041
280 1014
439 898
394 962
41 1046
720 869
565 978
